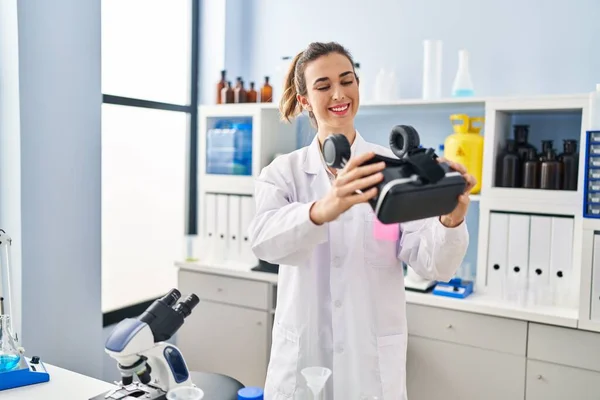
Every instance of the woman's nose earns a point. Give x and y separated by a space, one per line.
338 92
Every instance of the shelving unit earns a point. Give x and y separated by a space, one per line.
552 115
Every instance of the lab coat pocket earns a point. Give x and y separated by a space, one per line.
285 349
392 366
378 252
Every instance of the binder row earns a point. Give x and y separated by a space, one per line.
530 259
225 230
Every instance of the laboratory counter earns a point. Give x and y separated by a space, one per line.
523 353
63 385
475 303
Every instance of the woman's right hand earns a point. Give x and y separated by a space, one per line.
343 193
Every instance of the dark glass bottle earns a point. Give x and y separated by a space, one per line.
510 166
220 85
531 171
251 95
570 163
546 145
239 95
521 133
227 94
266 92
551 172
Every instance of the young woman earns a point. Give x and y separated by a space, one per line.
340 297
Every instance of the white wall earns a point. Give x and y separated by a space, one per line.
517 47
60 100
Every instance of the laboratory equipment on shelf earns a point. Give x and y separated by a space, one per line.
521 165
465 145
415 185
149 366
316 378
227 95
16 370
251 95
229 148
592 175
462 85
220 86
266 92
432 69
239 93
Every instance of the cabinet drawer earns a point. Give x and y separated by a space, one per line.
547 381
224 289
564 346
484 331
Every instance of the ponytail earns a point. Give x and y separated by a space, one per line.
288 105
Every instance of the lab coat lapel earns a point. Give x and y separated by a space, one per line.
315 169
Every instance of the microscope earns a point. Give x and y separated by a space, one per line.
138 345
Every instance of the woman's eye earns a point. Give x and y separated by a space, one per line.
323 88
347 83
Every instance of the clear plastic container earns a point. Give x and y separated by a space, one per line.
185 393
229 149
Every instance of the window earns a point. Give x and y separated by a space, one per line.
149 145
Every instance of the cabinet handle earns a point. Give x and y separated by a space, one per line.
259 323
449 326
219 290
539 377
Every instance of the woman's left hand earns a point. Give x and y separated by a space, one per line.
457 216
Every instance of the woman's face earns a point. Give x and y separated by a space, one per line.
332 92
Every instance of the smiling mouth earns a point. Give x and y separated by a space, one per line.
340 108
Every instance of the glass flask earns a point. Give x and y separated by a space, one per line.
9 352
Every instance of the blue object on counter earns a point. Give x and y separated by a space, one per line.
29 372
456 288
229 148
250 393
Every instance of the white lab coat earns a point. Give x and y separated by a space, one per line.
340 297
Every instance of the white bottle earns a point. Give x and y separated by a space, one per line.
595 109
463 86
432 69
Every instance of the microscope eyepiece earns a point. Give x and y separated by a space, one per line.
186 306
172 297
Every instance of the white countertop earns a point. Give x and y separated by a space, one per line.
475 303
63 385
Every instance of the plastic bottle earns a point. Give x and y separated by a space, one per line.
239 94
570 163
251 95
510 166
227 94
462 85
266 92
551 172
531 171
220 85
465 146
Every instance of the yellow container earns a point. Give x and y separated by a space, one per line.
465 145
